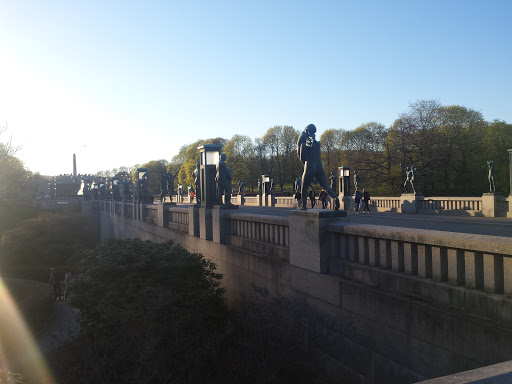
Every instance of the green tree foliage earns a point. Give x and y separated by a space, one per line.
50 240
281 143
155 169
242 160
155 306
330 142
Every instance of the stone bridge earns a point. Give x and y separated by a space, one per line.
416 303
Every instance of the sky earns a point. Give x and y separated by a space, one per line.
120 83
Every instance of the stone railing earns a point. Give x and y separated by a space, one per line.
476 262
150 214
385 204
268 235
177 219
453 204
251 200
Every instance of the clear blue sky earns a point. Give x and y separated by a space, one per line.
120 83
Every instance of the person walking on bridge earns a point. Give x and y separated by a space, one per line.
366 200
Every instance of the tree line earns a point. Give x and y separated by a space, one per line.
449 145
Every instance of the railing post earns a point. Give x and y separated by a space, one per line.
220 229
162 213
309 238
493 273
473 270
193 220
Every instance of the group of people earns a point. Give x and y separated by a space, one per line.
59 286
362 200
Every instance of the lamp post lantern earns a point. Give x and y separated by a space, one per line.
210 154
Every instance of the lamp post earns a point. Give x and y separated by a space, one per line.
510 169
115 188
344 185
141 172
210 154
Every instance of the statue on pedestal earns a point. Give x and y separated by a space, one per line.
411 176
308 151
332 181
224 179
490 165
195 175
357 179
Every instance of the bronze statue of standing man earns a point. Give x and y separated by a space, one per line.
308 151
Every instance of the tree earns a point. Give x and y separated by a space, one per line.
330 143
155 307
241 159
155 169
281 142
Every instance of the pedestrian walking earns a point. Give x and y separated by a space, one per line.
312 197
323 199
357 198
366 200
298 198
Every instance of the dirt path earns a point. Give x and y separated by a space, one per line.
61 328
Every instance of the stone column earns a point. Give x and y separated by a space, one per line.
193 220
162 213
309 239
205 223
240 199
490 204
220 230
410 202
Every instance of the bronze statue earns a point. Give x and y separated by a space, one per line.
357 179
490 165
240 187
170 181
163 186
195 175
410 177
308 151
332 181
223 179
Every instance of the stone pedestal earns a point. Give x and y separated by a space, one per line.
509 213
265 200
410 202
205 223
240 199
346 203
162 213
259 199
179 198
490 204
220 230
309 239
193 220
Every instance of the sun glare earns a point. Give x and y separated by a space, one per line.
18 349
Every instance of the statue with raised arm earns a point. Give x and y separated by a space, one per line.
224 179
490 165
170 181
240 187
411 176
308 152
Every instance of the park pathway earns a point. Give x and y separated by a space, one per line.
62 327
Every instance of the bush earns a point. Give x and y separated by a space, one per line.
37 244
149 311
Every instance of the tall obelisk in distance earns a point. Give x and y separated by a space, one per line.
74 166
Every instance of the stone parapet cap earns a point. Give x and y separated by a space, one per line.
467 241
319 213
258 218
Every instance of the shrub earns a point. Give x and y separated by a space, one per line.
36 244
149 311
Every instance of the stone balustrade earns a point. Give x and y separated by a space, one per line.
478 263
